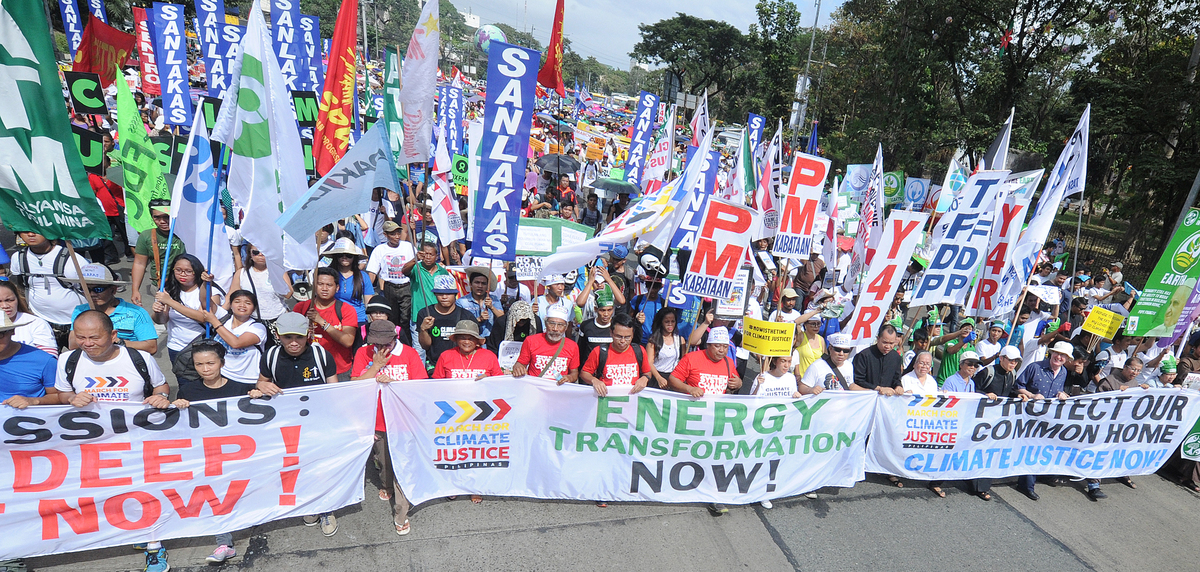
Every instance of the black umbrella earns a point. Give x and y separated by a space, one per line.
558 163
615 185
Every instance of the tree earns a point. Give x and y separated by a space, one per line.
705 53
519 38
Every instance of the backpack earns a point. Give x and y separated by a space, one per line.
183 367
637 353
139 363
319 353
60 265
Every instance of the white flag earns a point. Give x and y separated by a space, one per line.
266 165
700 121
445 203
660 159
419 84
996 157
194 207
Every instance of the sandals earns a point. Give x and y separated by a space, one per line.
1191 486
1127 482
601 504
896 481
476 499
984 495
403 529
384 495
938 491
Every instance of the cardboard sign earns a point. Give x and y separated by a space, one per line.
722 244
1103 323
537 145
794 239
307 107
91 149
734 308
509 352
768 338
555 148
86 95
594 153
901 233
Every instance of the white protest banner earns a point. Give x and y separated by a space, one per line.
901 233
967 436
116 474
722 243
967 224
794 237
1006 230
523 437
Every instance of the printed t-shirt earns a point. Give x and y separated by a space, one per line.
592 336
28 372
388 263
821 374
403 363
348 320
454 365
696 370
775 386
131 322
241 365
620 369
443 328
297 371
536 352
115 380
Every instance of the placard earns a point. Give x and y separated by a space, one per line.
1103 323
768 338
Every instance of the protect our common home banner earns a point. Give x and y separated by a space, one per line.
524 437
966 435
114 474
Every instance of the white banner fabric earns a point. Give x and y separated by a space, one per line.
116 474
967 436
530 438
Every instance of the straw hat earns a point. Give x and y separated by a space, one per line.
8 325
344 246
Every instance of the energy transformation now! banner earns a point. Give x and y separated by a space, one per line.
81 478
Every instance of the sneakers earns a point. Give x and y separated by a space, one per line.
311 520
766 504
717 509
156 561
221 554
328 524
810 495
1096 494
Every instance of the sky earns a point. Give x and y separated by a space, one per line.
608 29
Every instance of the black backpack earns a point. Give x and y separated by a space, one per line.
139 363
637 352
60 265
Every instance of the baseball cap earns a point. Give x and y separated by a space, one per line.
390 226
619 251
381 332
444 285
378 304
718 335
291 323
969 356
998 324
1118 265
789 293
1010 352
554 279
839 340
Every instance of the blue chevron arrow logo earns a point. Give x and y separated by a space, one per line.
447 412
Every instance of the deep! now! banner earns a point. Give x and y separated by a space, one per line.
111 474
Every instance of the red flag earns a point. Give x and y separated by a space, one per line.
332 136
551 73
102 50
146 59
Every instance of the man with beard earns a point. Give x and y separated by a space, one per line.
550 355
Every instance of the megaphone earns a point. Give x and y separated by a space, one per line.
654 260
302 291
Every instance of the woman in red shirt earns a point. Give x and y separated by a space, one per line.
469 359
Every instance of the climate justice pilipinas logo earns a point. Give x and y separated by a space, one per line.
932 422
470 435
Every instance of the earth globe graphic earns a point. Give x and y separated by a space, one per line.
484 36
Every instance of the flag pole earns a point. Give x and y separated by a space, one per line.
213 210
79 272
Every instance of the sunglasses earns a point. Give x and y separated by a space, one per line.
255 253
840 350
98 289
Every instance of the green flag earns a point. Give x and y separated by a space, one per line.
139 160
893 187
392 107
1164 299
43 187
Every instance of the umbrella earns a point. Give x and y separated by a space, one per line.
682 138
474 98
558 163
615 185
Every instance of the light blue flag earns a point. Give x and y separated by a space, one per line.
346 189
196 210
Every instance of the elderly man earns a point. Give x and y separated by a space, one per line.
133 323
833 371
550 354
962 380
878 368
1124 378
1042 380
709 371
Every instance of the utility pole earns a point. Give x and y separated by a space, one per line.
812 39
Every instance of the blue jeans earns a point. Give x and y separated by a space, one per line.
1026 482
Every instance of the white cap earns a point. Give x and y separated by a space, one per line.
718 335
558 311
968 355
554 279
839 340
1010 352
1064 348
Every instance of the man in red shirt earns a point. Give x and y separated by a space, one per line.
468 359
386 360
624 364
708 371
550 354
333 321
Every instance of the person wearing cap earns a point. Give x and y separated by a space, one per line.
619 364
834 371
709 371
512 290
39 268
151 247
988 349
956 343
600 281
597 331
384 359
32 330
998 380
422 272
386 268
334 321
550 355
295 362
467 359
809 345
1167 377
963 379
787 311
482 303
556 284
133 323
1115 279
437 323
29 373
1043 379
645 308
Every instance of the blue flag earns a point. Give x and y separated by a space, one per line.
639 144
195 207
812 140
170 50
71 24
210 15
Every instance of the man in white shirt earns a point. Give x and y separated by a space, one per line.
386 268
989 348
1115 278
821 375
512 290
40 267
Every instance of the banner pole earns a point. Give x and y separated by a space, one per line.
79 271
1078 229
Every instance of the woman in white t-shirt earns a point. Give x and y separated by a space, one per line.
242 336
778 380
665 347
253 276
31 330
919 381
181 304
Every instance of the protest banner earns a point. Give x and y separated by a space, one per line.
966 435
528 267
768 338
231 47
508 116
893 187
452 108
120 473
643 131
85 93
91 149
754 127
544 236
794 237
518 437
143 173
698 196
170 48
460 170
284 17
43 186
734 307
967 224
508 354
722 243
145 50
1006 229
210 14
915 191
331 136
310 38
98 9
1102 322
1170 284
103 49
72 25
901 233
419 82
